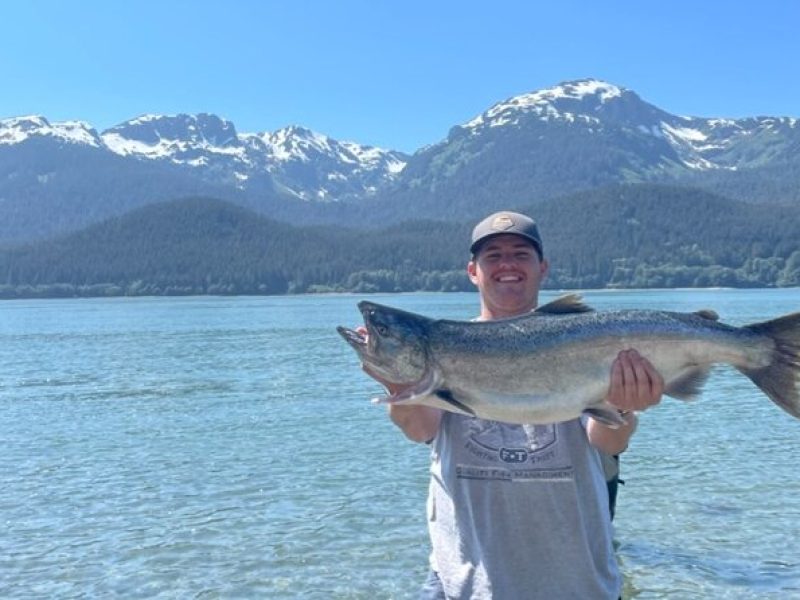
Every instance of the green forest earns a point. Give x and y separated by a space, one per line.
621 236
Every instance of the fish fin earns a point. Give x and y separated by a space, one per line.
607 414
688 384
433 400
707 313
570 303
452 403
780 380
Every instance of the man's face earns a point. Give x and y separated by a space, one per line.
507 272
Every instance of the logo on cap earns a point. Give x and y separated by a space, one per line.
502 223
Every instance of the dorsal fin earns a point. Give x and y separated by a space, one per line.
707 313
570 303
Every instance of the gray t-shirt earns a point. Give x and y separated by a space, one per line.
519 512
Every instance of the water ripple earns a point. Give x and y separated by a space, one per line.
225 448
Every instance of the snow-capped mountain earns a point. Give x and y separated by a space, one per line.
206 144
734 143
587 133
59 176
19 129
578 135
301 162
597 105
588 101
297 156
182 139
304 163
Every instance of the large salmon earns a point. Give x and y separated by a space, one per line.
554 364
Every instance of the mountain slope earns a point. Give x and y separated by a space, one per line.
48 189
59 177
640 235
583 134
594 237
305 164
538 146
202 245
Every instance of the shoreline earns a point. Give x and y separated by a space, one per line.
545 290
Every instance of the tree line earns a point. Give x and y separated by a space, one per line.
619 236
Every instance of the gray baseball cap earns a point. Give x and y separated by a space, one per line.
506 222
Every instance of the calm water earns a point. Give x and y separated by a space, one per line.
226 448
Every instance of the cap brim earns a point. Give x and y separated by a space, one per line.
476 245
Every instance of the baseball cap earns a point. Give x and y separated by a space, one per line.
506 222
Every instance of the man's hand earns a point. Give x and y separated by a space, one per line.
635 384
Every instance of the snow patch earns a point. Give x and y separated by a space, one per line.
541 103
169 149
19 129
687 134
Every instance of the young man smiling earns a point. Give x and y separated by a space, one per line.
521 511
508 271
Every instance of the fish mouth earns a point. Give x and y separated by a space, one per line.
356 339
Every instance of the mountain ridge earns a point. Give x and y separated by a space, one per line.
541 145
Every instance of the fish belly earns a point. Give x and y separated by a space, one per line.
558 383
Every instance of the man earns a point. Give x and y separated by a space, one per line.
521 511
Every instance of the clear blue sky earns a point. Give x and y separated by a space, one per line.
393 74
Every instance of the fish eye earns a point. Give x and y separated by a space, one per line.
381 329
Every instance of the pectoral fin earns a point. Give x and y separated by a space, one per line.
452 403
605 413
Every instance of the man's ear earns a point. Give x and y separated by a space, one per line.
472 271
544 267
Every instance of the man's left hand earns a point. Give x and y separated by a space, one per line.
635 383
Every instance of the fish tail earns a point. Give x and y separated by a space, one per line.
780 380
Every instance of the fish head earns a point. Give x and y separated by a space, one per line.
394 346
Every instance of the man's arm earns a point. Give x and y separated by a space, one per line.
635 386
419 423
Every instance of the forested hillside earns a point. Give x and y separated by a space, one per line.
621 236
662 236
205 246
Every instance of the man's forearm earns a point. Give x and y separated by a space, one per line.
609 440
419 423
